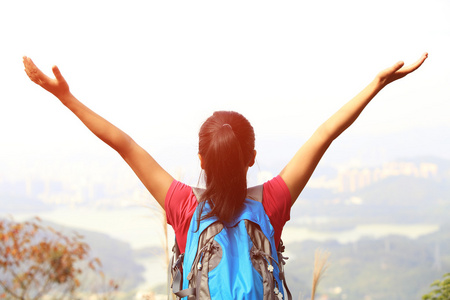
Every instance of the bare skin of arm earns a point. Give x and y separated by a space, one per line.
298 171
152 175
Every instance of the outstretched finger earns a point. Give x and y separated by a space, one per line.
391 70
414 66
31 69
27 61
397 66
57 73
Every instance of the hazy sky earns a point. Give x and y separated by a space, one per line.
157 69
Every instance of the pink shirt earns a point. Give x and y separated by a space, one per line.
180 205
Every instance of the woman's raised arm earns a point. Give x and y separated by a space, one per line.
151 174
298 171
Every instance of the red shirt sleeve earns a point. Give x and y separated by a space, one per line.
277 204
180 205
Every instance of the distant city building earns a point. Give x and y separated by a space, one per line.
353 179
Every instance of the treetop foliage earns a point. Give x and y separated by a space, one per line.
36 260
441 289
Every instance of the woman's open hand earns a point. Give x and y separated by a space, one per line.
398 70
57 86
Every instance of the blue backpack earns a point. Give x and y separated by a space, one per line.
237 260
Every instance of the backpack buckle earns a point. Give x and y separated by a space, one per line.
179 262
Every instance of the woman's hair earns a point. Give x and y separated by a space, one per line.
226 147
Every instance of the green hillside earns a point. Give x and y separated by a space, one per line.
391 268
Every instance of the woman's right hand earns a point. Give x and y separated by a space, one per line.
151 174
57 86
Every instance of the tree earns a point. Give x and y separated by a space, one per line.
36 260
441 289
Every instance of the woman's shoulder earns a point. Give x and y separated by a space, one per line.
276 186
276 195
180 199
176 190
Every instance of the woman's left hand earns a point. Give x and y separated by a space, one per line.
398 71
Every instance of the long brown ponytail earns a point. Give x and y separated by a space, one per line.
226 146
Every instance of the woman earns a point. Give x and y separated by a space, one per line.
226 151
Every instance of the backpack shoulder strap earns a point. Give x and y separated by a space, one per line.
198 192
255 193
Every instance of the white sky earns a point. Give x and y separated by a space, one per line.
157 69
